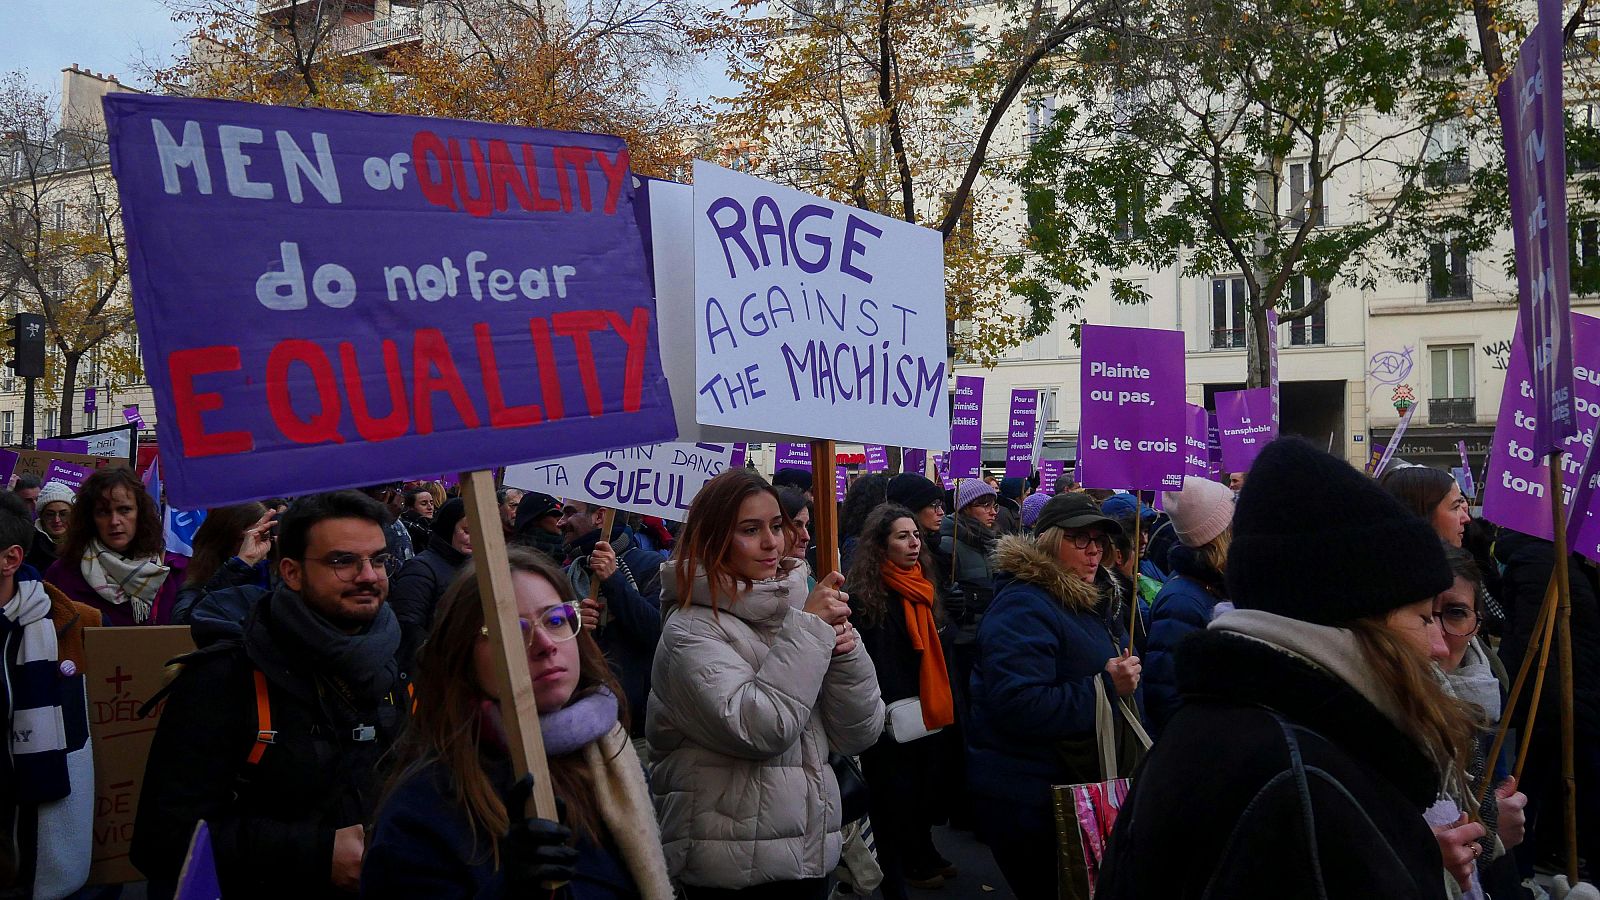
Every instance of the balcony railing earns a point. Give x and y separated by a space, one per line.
1227 338
401 25
1453 411
1454 286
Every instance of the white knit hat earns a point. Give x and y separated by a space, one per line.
54 492
1201 511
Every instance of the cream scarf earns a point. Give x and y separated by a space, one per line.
118 579
629 814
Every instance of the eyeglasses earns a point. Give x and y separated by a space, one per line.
1458 620
985 500
1083 539
348 566
61 514
560 622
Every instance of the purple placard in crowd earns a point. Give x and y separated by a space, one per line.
740 451
1244 426
841 482
1195 457
877 458
1049 471
88 400
472 326
1533 130
1516 482
1022 432
69 474
1131 430
198 880
8 463
1583 528
792 456
63 445
131 413
966 427
1394 441
1468 487
912 460
1272 361
941 465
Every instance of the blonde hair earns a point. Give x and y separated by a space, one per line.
1049 541
1213 554
1444 727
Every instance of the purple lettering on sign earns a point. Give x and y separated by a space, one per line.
966 427
1021 431
1132 426
1244 425
1533 130
877 458
1516 483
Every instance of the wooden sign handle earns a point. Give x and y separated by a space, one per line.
513 682
608 518
825 521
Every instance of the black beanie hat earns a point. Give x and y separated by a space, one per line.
446 517
534 506
914 492
1318 541
799 479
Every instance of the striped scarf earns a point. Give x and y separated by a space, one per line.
118 579
38 733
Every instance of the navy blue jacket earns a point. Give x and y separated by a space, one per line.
1042 644
1183 607
631 627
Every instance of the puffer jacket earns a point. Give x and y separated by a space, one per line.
745 705
1183 607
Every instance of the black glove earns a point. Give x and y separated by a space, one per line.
535 853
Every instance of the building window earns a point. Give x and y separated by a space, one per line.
1451 399
1302 179
1313 329
962 53
1041 111
8 421
1229 298
1585 155
1449 271
1584 255
1445 157
1128 206
49 423
1047 409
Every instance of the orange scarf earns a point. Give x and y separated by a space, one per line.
916 592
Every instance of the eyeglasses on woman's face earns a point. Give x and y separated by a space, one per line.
1083 540
1461 621
560 622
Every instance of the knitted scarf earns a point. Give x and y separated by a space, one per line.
118 579
933 681
38 732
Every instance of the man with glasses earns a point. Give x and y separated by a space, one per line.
275 740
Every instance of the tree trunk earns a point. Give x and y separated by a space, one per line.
1258 358
69 386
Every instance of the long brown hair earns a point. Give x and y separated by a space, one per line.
1443 726
446 727
864 584
81 529
1419 488
707 535
218 538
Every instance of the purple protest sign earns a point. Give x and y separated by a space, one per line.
1516 482
496 309
131 413
841 482
1533 130
1131 430
1244 426
1467 485
69 474
1394 441
1022 432
1050 470
914 461
966 427
8 463
740 451
1272 363
877 458
198 879
63 445
941 466
1195 456
1583 528
88 400
792 456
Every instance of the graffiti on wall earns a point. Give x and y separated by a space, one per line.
1388 368
1499 354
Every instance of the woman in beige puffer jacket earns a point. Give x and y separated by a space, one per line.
754 682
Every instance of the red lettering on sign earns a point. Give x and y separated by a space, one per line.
576 324
183 366
399 418
324 426
431 354
500 415
425 144
636 335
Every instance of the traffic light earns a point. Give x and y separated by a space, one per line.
27 345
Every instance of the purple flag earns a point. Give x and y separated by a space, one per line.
1467 485
877 458
198 880
1244 426
1021 433
131 413
792 456
1394 441
1583 529
1049 471
88 400
914 461
1132 425
740 450
1195 456
473 325
966 427
1516 482
1533 130
841 482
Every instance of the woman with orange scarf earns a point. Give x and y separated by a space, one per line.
896 611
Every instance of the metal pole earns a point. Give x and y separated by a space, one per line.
27 413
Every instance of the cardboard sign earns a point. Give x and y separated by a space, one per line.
1245 426
126 666
37 462
815 317
1022 433
652 480
1131 434
966 428
495 309
119 440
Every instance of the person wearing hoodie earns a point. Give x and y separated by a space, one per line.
1314 729
1048 639
538 525
50 529
1008 504
1201 513
415 590
228 572
47 807
755 682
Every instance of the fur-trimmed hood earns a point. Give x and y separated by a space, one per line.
1018 558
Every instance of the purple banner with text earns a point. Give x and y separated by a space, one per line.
1131 431
1244 426
1195 456
877 458
1022 432
792 456
966 427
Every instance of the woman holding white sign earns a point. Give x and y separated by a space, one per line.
755 680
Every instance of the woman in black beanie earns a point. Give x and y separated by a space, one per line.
1313 732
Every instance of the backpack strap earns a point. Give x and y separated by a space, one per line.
264 733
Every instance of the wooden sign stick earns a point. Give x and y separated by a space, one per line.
1563 633
1133 602
608 518
1547 609
825 527
513 682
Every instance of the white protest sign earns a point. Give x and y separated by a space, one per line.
815 318
652 480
